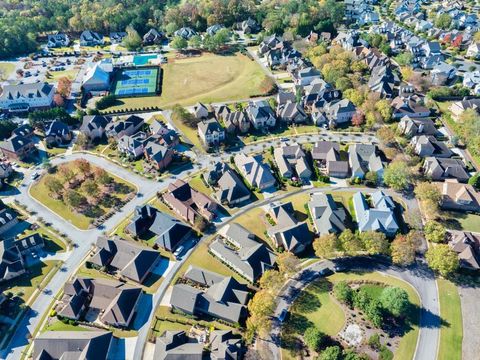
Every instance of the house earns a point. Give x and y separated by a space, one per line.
26 97
305 76
129 126
284 97
111 302
432 48
326 155
458 107
261 115
57 133
97 79
6 169
11 261
410 106
288 233
91 38
473 50
158 155
442 73
326 215
24 130
225 345
247 257
236 121
230 188
380 216
128 259
292 162
189 203
383 81
213 29
132 145
153 37
467 246
116 37
29 244
201 111
292 113
211 132
249 26
424 146
177 345
58 40
364 158
256 173
339 111
164 135
471 80
185 32
17 147
439 169
206 293
458 196
148 221
94 126
51 345
415 127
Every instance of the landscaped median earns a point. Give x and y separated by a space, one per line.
81 193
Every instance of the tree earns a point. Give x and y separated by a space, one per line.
83 165
195 42
386 135
371 178
90 188
355 96
180 114
73 199
358 119
331 353
105 102
385 109
442 259
82 140
403 250
271 280
326 245
395 300
53 185
434 231
260 308
132 41
66 173
102 176
313 338
397 175
375 242
443 21
6 128
350 242
179 43
404 58
430 197
288 264
343 292
64 86
475 181
374 313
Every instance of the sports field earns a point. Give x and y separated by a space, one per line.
136 82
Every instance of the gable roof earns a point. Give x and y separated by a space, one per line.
379 217
327 217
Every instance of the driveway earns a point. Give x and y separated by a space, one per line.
420 277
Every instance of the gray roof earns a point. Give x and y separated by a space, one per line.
11 263
92 122
176 345
31 91
231 188
69 345
15 143
327 217
380 217
363 158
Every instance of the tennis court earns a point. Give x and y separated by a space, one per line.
136 82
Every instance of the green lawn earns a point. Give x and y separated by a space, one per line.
199 184
451 333
40 192
60 326
6 68
406 348
70 74
462 221
208 78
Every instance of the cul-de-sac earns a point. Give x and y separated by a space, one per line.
240 179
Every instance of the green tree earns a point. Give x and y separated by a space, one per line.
132 41
371 178
288 263
404 58
434 231
343 292
429 196
475 181
195 42
313 338
375 242
331 353
442 259
443 21
374 313
271 280
179 43
53 185
326 246
385 110
260 308
90 188
395 300
355 96
398 175
350 242
74 199
403 250
102 176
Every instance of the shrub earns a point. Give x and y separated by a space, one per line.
374 342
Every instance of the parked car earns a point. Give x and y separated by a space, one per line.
35 175
283 315
178 252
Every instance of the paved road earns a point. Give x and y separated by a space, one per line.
419 276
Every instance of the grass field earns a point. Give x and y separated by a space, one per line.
60 326
208 78
462 221
136 81
40 192
6 68
451 333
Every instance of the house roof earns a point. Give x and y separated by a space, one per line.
11 262
26 91
254 170
379 217
327 217
57 128
176 345
363 158
92 122
231 188
15 143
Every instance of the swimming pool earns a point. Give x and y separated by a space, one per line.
140 60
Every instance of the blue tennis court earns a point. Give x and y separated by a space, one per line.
136 82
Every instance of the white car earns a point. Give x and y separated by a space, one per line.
34 176
178 252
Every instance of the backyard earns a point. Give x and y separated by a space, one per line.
67 184
207 78
317 307
461 221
